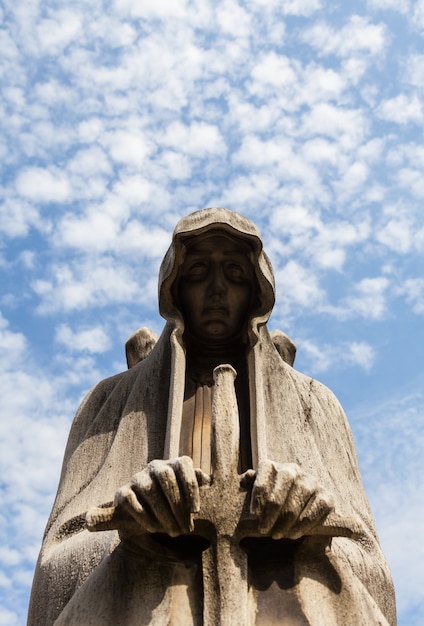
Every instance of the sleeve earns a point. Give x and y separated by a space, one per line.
360 555
69 552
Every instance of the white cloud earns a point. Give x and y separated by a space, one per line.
54 93
297 286
7 583
143 243
361 353
97 230
12 345
357 36
408 155
418 15
386 469
397 234
278 153
286 84
109 227
413 288
131 190
15 96
249 192
116 34
320 151
90 129
347 126
10 52
301 7
8 618
93 340
372 150
27 395
43 185
273 72
28 259
130 147
322 357
197 139
86 284
298 230
330 246
413 180
263 153
150 9
321 84
9 556
176 165
402 6
233 19
414 70
17 217
402 109
353 70
90 162
352 179
292 7
295 220
58 30
368 300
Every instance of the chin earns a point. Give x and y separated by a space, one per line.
217 330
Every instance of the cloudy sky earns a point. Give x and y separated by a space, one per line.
118 118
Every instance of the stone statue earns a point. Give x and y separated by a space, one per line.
211 483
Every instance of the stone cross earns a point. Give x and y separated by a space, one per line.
224 518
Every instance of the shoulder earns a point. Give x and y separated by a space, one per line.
104 405
290 383
280 366
122 384
102 390
317 392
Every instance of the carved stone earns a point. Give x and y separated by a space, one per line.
211 483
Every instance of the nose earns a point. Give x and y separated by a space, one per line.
217 282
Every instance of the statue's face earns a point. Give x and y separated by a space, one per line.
215 286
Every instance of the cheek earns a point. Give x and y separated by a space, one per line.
190 295
241 300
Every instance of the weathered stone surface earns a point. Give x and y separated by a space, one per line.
211 483
139 345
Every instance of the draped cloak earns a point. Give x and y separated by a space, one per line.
134 417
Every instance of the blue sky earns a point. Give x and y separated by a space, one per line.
120 117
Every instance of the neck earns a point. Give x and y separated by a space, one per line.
203 356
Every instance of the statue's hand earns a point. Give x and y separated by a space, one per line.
163 497
287 501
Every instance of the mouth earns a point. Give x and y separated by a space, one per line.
215 309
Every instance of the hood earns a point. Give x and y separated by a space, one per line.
234 224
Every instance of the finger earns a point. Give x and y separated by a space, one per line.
126 499
202 478
274 505
167 478
265 478
302 490
150 494
313 515
187 481
247 479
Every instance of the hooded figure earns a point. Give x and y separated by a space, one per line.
143 440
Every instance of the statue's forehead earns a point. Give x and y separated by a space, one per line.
208 242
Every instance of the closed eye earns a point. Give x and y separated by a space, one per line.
196 271
235 272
